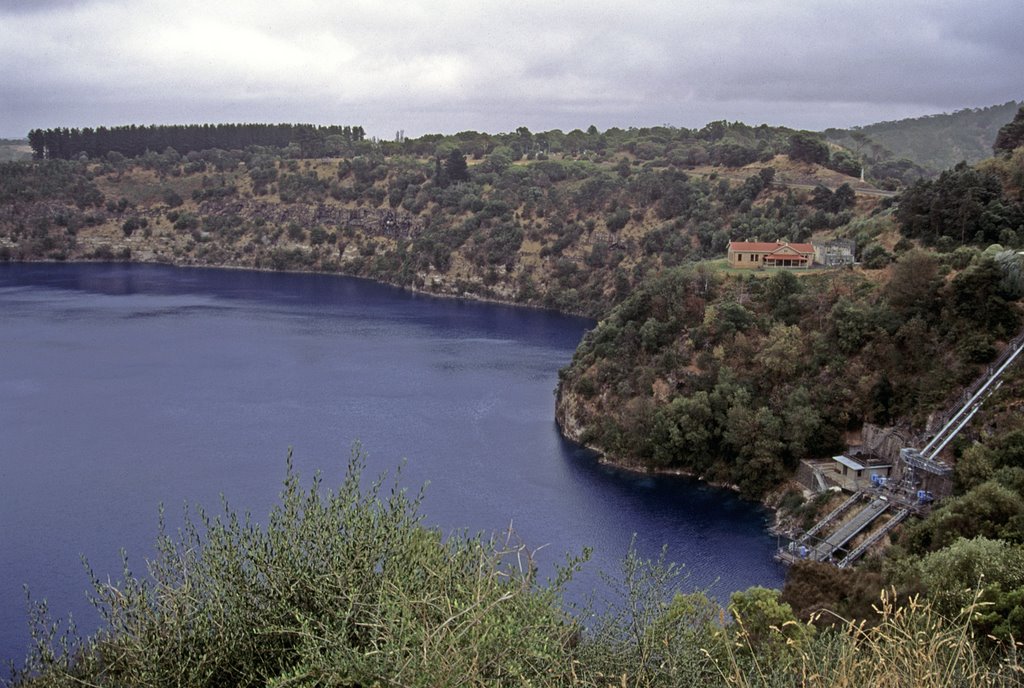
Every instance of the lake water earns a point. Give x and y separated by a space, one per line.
126 386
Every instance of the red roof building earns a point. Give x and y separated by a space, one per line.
770 254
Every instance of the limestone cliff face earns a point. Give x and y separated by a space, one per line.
568 406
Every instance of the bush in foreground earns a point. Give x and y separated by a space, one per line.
349 588
340 588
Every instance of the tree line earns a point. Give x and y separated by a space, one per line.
133 140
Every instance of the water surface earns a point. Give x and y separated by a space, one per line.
126 386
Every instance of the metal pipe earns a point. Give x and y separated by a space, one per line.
992 378
947 440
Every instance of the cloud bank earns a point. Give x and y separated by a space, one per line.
451 65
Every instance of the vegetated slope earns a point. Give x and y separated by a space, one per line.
967 550
736 376
569 221
934 142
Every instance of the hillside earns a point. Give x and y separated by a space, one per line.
737 376
934 143
567 221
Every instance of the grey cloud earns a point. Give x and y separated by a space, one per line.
450 65
38 6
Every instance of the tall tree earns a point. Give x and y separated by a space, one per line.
37 139
455 167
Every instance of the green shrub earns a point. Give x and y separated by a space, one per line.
349 588
339 588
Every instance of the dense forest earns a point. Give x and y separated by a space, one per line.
733 375
736 378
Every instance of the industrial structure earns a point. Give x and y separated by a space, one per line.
921 476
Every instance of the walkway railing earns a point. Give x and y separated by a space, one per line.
850 529
858 551
832 516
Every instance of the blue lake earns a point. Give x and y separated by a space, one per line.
123 387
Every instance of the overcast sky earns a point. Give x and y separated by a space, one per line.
443 66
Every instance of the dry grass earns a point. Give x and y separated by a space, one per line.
912 646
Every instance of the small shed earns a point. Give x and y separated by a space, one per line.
853 474
835 252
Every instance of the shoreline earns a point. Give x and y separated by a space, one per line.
769 501
602 457
775 525
639 469
467 296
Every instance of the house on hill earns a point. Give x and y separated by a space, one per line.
770 254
